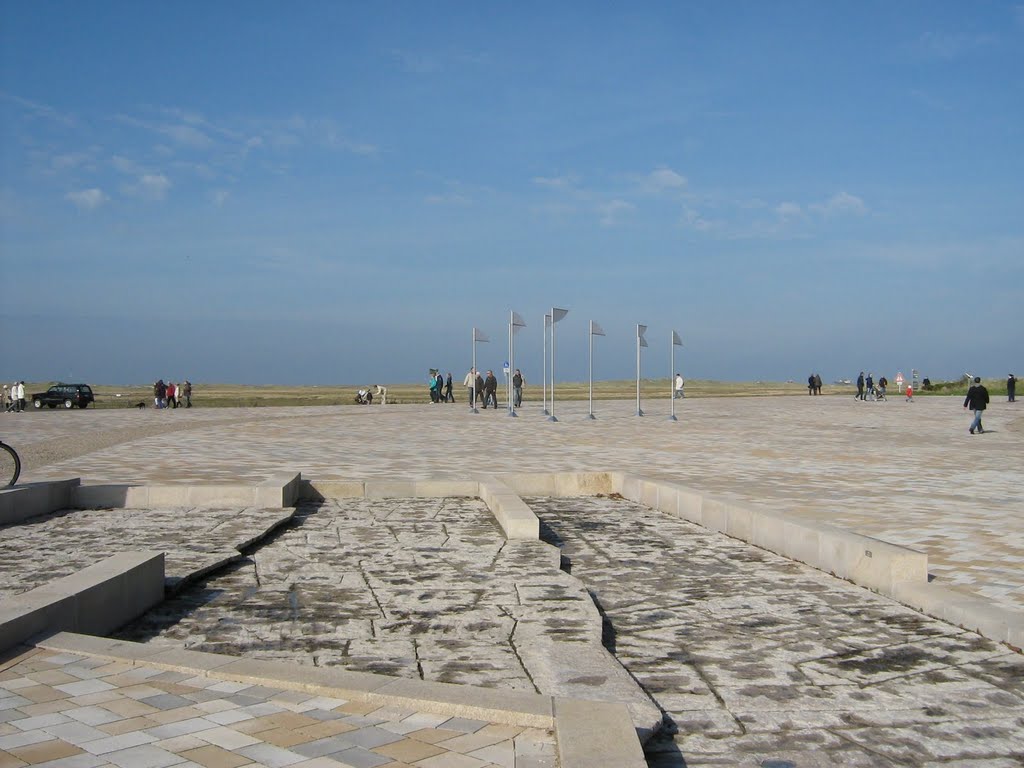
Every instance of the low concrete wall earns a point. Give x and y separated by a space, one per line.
861 559
280 491
967 611
96 600
33 499
516 519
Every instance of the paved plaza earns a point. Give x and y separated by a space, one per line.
750 656
908 473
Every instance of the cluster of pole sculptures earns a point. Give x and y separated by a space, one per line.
515 322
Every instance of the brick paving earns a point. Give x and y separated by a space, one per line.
64 710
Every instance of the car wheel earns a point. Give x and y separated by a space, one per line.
68 404
37 403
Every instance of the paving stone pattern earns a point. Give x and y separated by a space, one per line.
194 541
759 660
908 473
64 710
419 588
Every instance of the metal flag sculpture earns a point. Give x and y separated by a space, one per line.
482 337
640 342
676 342
595 330
515 322
556 315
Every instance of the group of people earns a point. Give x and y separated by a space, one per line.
440 387
477 384
814 384
14 397
172 395
867 390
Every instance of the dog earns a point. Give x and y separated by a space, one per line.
140 405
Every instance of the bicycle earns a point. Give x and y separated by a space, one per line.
10 465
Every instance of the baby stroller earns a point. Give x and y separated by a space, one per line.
879 393
364 397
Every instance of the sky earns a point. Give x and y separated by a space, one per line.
336 192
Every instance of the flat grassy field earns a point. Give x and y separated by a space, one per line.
239 395
247 395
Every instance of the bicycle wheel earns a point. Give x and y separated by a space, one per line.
10 466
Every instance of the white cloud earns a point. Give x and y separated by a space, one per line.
841 203
664 179
150 186
947 46
87 199
219 196
694 220
788 210
612 211
556 182
454 199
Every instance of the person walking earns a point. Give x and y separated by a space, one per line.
480 391
1011 388
491 390
678 392
187 392
976 400
517 389
470 384
860 386
448 396
817 384
172 395
20 396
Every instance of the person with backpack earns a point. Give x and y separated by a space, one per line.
977 401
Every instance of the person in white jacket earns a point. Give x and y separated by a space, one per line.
470 384
679 386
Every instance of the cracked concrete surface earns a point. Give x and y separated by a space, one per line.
757 658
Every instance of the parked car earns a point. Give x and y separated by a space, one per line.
67 395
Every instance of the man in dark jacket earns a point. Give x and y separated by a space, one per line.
491 390
976 400
1011 388
860 386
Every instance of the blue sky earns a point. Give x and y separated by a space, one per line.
337 192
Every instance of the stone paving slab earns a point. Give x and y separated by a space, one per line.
427 589
196 541
74 710
755 658
908 473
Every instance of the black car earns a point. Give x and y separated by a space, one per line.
67 395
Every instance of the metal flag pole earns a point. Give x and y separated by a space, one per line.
556 315
676 342
477 336
640 342
595 330
544 359
515 322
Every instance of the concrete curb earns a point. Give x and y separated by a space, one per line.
97 599
516 519
589 734
33 499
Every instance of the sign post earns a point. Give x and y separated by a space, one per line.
544 366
